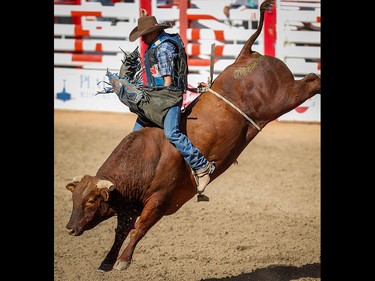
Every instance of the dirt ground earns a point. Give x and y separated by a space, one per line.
262 221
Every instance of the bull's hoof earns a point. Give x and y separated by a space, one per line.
104 267
121 265
202 197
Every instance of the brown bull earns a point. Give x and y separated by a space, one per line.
145 177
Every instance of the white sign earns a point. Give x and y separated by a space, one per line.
308 111
76 89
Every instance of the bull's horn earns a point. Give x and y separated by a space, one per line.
105 184
77 179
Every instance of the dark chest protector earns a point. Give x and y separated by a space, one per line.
180 67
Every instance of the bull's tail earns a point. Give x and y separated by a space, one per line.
246 50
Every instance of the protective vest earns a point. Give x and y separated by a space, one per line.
180 67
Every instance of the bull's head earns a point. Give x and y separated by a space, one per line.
90 203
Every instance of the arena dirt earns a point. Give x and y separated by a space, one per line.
262 221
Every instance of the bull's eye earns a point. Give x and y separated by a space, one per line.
91 201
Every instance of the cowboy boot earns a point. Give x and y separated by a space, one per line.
203 176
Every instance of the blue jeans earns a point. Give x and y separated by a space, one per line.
191 154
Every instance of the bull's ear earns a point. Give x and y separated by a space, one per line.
104 192
105 186
70 186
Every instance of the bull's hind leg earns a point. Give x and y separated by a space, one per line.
124 225
152 212
311 84
305 88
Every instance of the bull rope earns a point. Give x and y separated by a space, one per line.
232 105
220 96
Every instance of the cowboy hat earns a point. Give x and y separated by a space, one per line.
147 24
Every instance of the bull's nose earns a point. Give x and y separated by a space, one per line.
71 231
74 232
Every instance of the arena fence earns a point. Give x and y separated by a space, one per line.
89 38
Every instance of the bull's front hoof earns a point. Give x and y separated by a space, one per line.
121 265
104 267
